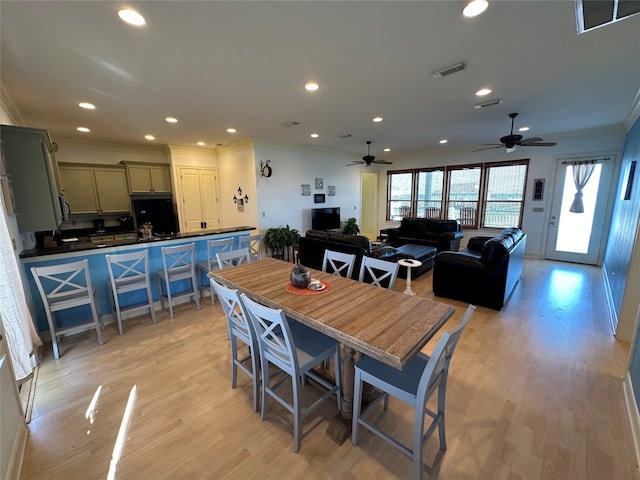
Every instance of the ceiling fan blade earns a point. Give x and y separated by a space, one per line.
488 148
530 140
384 162
354 163
539 144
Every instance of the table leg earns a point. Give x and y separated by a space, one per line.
407 290
339 428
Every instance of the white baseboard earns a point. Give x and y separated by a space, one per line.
634 415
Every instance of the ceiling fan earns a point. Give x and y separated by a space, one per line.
368 158
511 141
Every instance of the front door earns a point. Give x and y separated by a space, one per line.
576 236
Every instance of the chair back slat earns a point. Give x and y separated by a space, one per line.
217 246
436 371
378 272
233 258
237 319
274 336
254 244
338 263
63 281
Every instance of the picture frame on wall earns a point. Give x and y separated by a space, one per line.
331 190
318 198
306 190
319 183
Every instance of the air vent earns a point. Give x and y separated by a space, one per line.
490 103
458 67
344 135
290 124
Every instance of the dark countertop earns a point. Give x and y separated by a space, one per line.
87 245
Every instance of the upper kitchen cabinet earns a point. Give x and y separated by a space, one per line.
148 178
92 189
28 154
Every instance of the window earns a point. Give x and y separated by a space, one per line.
487 195
504 198
399 193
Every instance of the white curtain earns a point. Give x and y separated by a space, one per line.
581 175
16 318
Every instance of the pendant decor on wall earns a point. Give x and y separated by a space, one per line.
240 200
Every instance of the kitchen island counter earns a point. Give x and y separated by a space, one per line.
95 253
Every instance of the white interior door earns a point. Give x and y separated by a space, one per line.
577 237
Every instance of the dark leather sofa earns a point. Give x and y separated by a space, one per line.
445 235
485 273
311 249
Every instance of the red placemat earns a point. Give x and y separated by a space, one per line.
305 291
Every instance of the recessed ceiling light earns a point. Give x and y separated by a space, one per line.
83 129
475 8
444 140
314 135
131 17
387 149
171 120
87 105
202 144
311 86
523 129
149 137
377 119
231 130
483 91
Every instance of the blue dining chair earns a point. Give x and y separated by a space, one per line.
295 350
414 385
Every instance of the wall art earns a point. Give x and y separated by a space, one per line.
306 190
319 183
331 190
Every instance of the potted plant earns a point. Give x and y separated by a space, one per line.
351 227
279 240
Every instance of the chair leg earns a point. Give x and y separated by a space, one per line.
54 335
357 400
152 310
169 300
297 416
265 385
234 360
196 291
441 401
96 319
255 368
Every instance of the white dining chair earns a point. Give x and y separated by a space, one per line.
64 286
378 272
338 263
295 350
240 328
178 265
254 244
414 385
233 258
211 264
128 273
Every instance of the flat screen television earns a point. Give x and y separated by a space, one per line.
325 218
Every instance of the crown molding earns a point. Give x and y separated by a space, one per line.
198 151
635 112
8 105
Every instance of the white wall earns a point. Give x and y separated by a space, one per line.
280 196
542 164
237 170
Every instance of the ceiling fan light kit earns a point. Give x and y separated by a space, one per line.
511 142
368 158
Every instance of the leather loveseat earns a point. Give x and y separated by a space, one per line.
445 235
485 273
311 249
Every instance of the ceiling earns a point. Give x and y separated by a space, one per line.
215 65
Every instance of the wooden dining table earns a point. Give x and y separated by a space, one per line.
383 324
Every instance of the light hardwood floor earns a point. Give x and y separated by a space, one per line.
535 392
